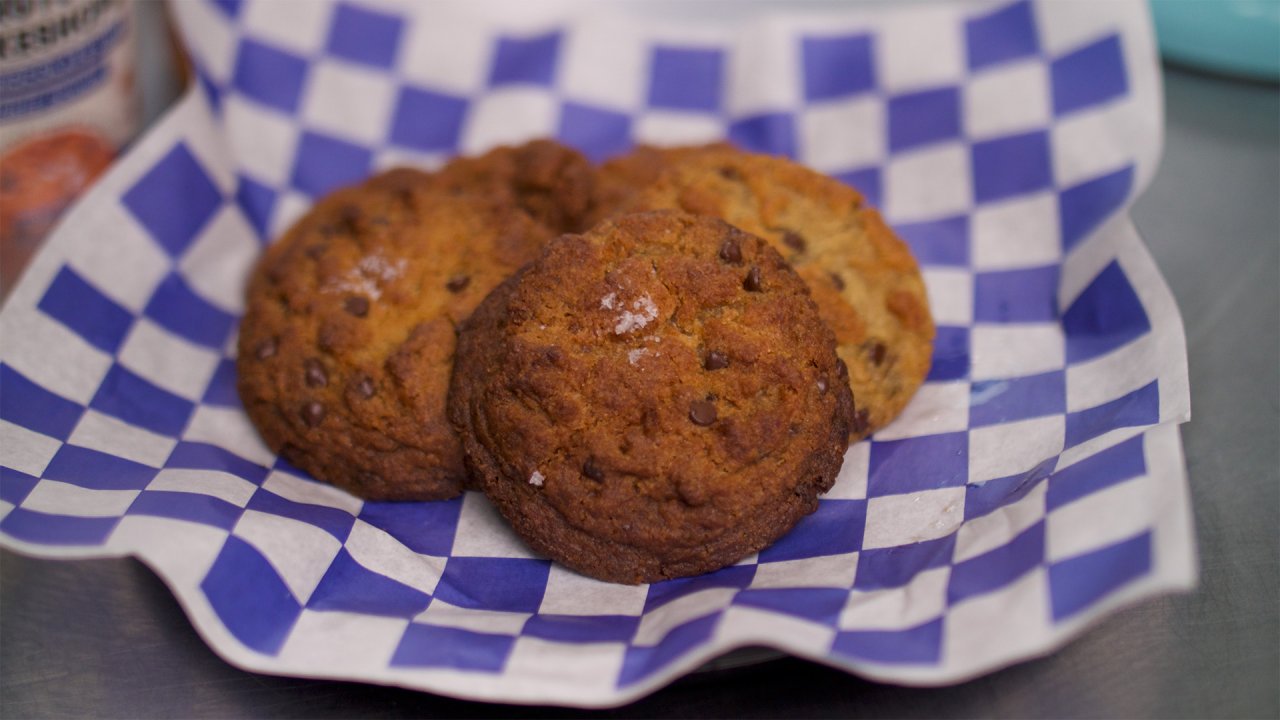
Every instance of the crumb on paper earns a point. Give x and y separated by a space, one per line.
536 479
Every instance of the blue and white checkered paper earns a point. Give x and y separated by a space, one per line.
1034 484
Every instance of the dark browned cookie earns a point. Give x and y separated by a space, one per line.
347 342
653 399
863 277
622 176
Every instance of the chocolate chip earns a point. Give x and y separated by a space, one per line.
365 387
349 216
716 360
592 470
860 421
731 251
357 305
312 413
315 374
878 351
794 240
702 412
822 385
837 281
729 172
458 283
265 349
752 281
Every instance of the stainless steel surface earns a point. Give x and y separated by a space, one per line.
106 639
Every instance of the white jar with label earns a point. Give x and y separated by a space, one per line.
68 102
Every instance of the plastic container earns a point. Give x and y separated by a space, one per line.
1235 37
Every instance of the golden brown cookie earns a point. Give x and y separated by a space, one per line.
863 277
653 399
347 342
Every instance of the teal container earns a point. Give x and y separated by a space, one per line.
1237 37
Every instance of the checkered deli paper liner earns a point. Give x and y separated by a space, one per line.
1034 484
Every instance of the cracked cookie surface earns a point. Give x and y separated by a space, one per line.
348 338
653 399
864 279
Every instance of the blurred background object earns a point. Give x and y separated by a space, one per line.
69 101
1235 37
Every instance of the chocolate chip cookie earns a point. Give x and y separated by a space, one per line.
347 342
653 399
863 277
